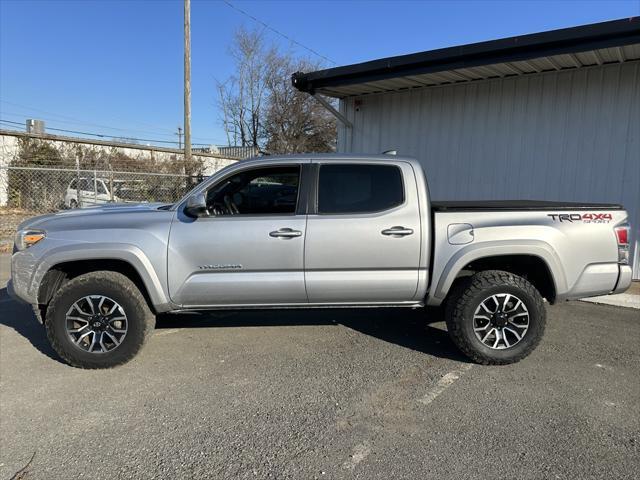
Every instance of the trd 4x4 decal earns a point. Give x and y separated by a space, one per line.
581 217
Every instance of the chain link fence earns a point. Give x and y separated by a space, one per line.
44 190
44 175
29 191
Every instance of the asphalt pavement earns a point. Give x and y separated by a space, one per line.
349 393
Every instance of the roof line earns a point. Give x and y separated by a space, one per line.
567 40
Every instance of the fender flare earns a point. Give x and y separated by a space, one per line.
470 253
128 253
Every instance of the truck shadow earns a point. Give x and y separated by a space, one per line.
421 330
20 317
418 330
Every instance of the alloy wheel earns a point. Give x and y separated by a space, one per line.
501 321
96 324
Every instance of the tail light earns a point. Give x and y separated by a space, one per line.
622 236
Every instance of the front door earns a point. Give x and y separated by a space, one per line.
363 241
249 250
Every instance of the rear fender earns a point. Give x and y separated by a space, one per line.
464 256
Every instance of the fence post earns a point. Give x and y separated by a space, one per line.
111 196
95 187
78 194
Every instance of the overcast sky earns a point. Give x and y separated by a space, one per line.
115 67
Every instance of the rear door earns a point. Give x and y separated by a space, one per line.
250 249
86 192
363 233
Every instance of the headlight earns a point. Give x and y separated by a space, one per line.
27 238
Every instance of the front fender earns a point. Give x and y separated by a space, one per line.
476 251
131 254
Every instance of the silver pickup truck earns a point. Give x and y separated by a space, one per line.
315 231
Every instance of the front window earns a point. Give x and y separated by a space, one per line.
261 191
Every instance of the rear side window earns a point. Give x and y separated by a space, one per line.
359 188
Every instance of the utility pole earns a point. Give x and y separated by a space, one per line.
179 138
187 87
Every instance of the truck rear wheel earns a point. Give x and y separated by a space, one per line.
98 320
495 317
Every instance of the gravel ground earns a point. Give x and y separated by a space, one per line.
10 218
324 394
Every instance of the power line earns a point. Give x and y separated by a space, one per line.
55 120
73 121
79 121
277 32
9 121
102 135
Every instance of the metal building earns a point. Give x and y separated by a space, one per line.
551 116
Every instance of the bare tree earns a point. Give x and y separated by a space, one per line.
294 121
242 96
260 108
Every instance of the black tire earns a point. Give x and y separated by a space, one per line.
467 296
73 204
140 319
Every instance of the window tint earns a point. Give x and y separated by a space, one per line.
262 191
73 184
359 188
101 188
85 185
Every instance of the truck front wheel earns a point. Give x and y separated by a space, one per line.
495 317
98 320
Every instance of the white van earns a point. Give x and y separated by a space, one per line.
85 192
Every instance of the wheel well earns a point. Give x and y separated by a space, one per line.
530 267
61 273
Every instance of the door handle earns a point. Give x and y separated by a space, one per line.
397 231
285 233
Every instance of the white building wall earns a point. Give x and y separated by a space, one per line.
8 147
570 136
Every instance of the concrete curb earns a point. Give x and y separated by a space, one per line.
629 299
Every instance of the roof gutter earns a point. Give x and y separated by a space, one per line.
568 40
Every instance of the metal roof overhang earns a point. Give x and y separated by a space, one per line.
616 41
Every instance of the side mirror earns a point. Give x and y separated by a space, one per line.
196 206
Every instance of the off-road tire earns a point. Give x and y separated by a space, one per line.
141 321
469 293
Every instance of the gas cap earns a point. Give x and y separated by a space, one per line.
460 233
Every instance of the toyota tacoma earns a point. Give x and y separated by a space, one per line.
315 231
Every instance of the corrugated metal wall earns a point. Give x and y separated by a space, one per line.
569 135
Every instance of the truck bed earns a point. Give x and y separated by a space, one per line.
517 205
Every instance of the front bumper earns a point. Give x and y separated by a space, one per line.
12 292
22 268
